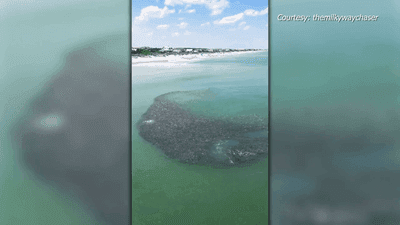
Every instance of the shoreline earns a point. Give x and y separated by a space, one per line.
181 58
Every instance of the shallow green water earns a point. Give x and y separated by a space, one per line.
335 114
168 192
35 38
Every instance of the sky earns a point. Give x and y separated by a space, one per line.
200 23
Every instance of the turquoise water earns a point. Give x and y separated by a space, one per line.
169 192
36 37
335 114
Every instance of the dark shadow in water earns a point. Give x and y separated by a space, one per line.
75 133
326 175
196 139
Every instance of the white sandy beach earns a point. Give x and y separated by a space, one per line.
179 60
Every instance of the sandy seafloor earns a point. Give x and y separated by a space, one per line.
167 192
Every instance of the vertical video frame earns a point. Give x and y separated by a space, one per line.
200 112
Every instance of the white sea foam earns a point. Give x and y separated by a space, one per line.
148 121
179 60
49 122
219 150
152 69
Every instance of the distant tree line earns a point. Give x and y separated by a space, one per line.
149 51
156 51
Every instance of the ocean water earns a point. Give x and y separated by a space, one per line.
54 160
335 115
165 191
40 41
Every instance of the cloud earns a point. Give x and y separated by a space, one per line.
183 25
204 24
252 12
181 18
176 34
150 34
230 19
191 11
180 11
246 27
163 26
187 33
153 12
242 23
232 29
216 6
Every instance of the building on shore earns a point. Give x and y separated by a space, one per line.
166 49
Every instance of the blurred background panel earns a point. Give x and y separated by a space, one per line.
335 114
64 105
